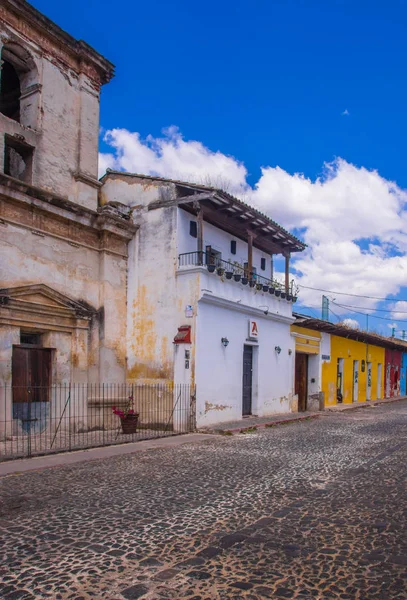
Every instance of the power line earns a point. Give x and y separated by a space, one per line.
347 294
366 314
403 312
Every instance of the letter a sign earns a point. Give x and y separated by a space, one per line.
253 330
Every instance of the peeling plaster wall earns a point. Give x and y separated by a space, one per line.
97 278
63 120
219 370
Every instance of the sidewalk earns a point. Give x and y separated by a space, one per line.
256 422
248 423
15 467
369 403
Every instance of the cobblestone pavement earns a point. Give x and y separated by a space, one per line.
310 510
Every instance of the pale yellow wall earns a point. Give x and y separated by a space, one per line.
351 350
306 340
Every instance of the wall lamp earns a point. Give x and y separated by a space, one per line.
277 349
225 341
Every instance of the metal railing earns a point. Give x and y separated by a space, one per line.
234 270
45 420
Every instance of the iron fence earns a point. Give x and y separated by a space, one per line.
37 420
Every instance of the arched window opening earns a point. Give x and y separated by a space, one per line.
10 92
19 89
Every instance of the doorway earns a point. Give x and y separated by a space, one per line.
379 380
31 377
355 397
247 380
369 381
301 380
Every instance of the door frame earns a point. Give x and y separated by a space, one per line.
355 381
247 414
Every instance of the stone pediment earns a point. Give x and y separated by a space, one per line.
40 299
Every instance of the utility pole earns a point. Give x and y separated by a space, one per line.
325 308
403 334
393 331
367 322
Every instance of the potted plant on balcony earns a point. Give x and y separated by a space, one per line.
271 290
128 417
229 274
252 283
220 271
236 276
277 292
245 280
289 297
211 268
283 295
265 288
259 286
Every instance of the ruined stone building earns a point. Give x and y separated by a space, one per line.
131 278
63 261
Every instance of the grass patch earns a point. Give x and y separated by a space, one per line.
249 430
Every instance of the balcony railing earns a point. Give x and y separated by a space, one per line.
237 272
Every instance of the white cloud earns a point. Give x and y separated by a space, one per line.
400 310
345 113
351 323
353 220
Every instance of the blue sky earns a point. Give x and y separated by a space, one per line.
268 82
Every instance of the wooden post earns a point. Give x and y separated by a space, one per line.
200 236
250 255
287 273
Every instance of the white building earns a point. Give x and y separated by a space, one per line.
202 307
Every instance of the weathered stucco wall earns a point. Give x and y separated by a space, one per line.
219 370
60 109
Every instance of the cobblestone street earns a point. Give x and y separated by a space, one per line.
310 510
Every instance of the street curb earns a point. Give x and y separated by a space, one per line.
368 404
268 424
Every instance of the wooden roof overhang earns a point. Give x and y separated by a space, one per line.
240 220
347 332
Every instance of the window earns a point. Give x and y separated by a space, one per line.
19 87
213 257
10 92
193 229
33 339
263 264
18 159
233 247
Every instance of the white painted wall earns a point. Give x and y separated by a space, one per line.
220 241
219 370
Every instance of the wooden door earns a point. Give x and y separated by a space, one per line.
247 380
31 374
301 380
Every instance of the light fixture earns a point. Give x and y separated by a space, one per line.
277 349
290 352
225 341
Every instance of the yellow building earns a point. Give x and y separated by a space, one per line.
336 364
354 373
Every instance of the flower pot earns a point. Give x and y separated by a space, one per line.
129 423
289 297
220 271
283 295
211 268
237 277
252 283
259 286
294 298
271 290
265 288
277 293
245 281
229 274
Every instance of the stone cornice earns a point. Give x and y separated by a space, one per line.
44 214
244 308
